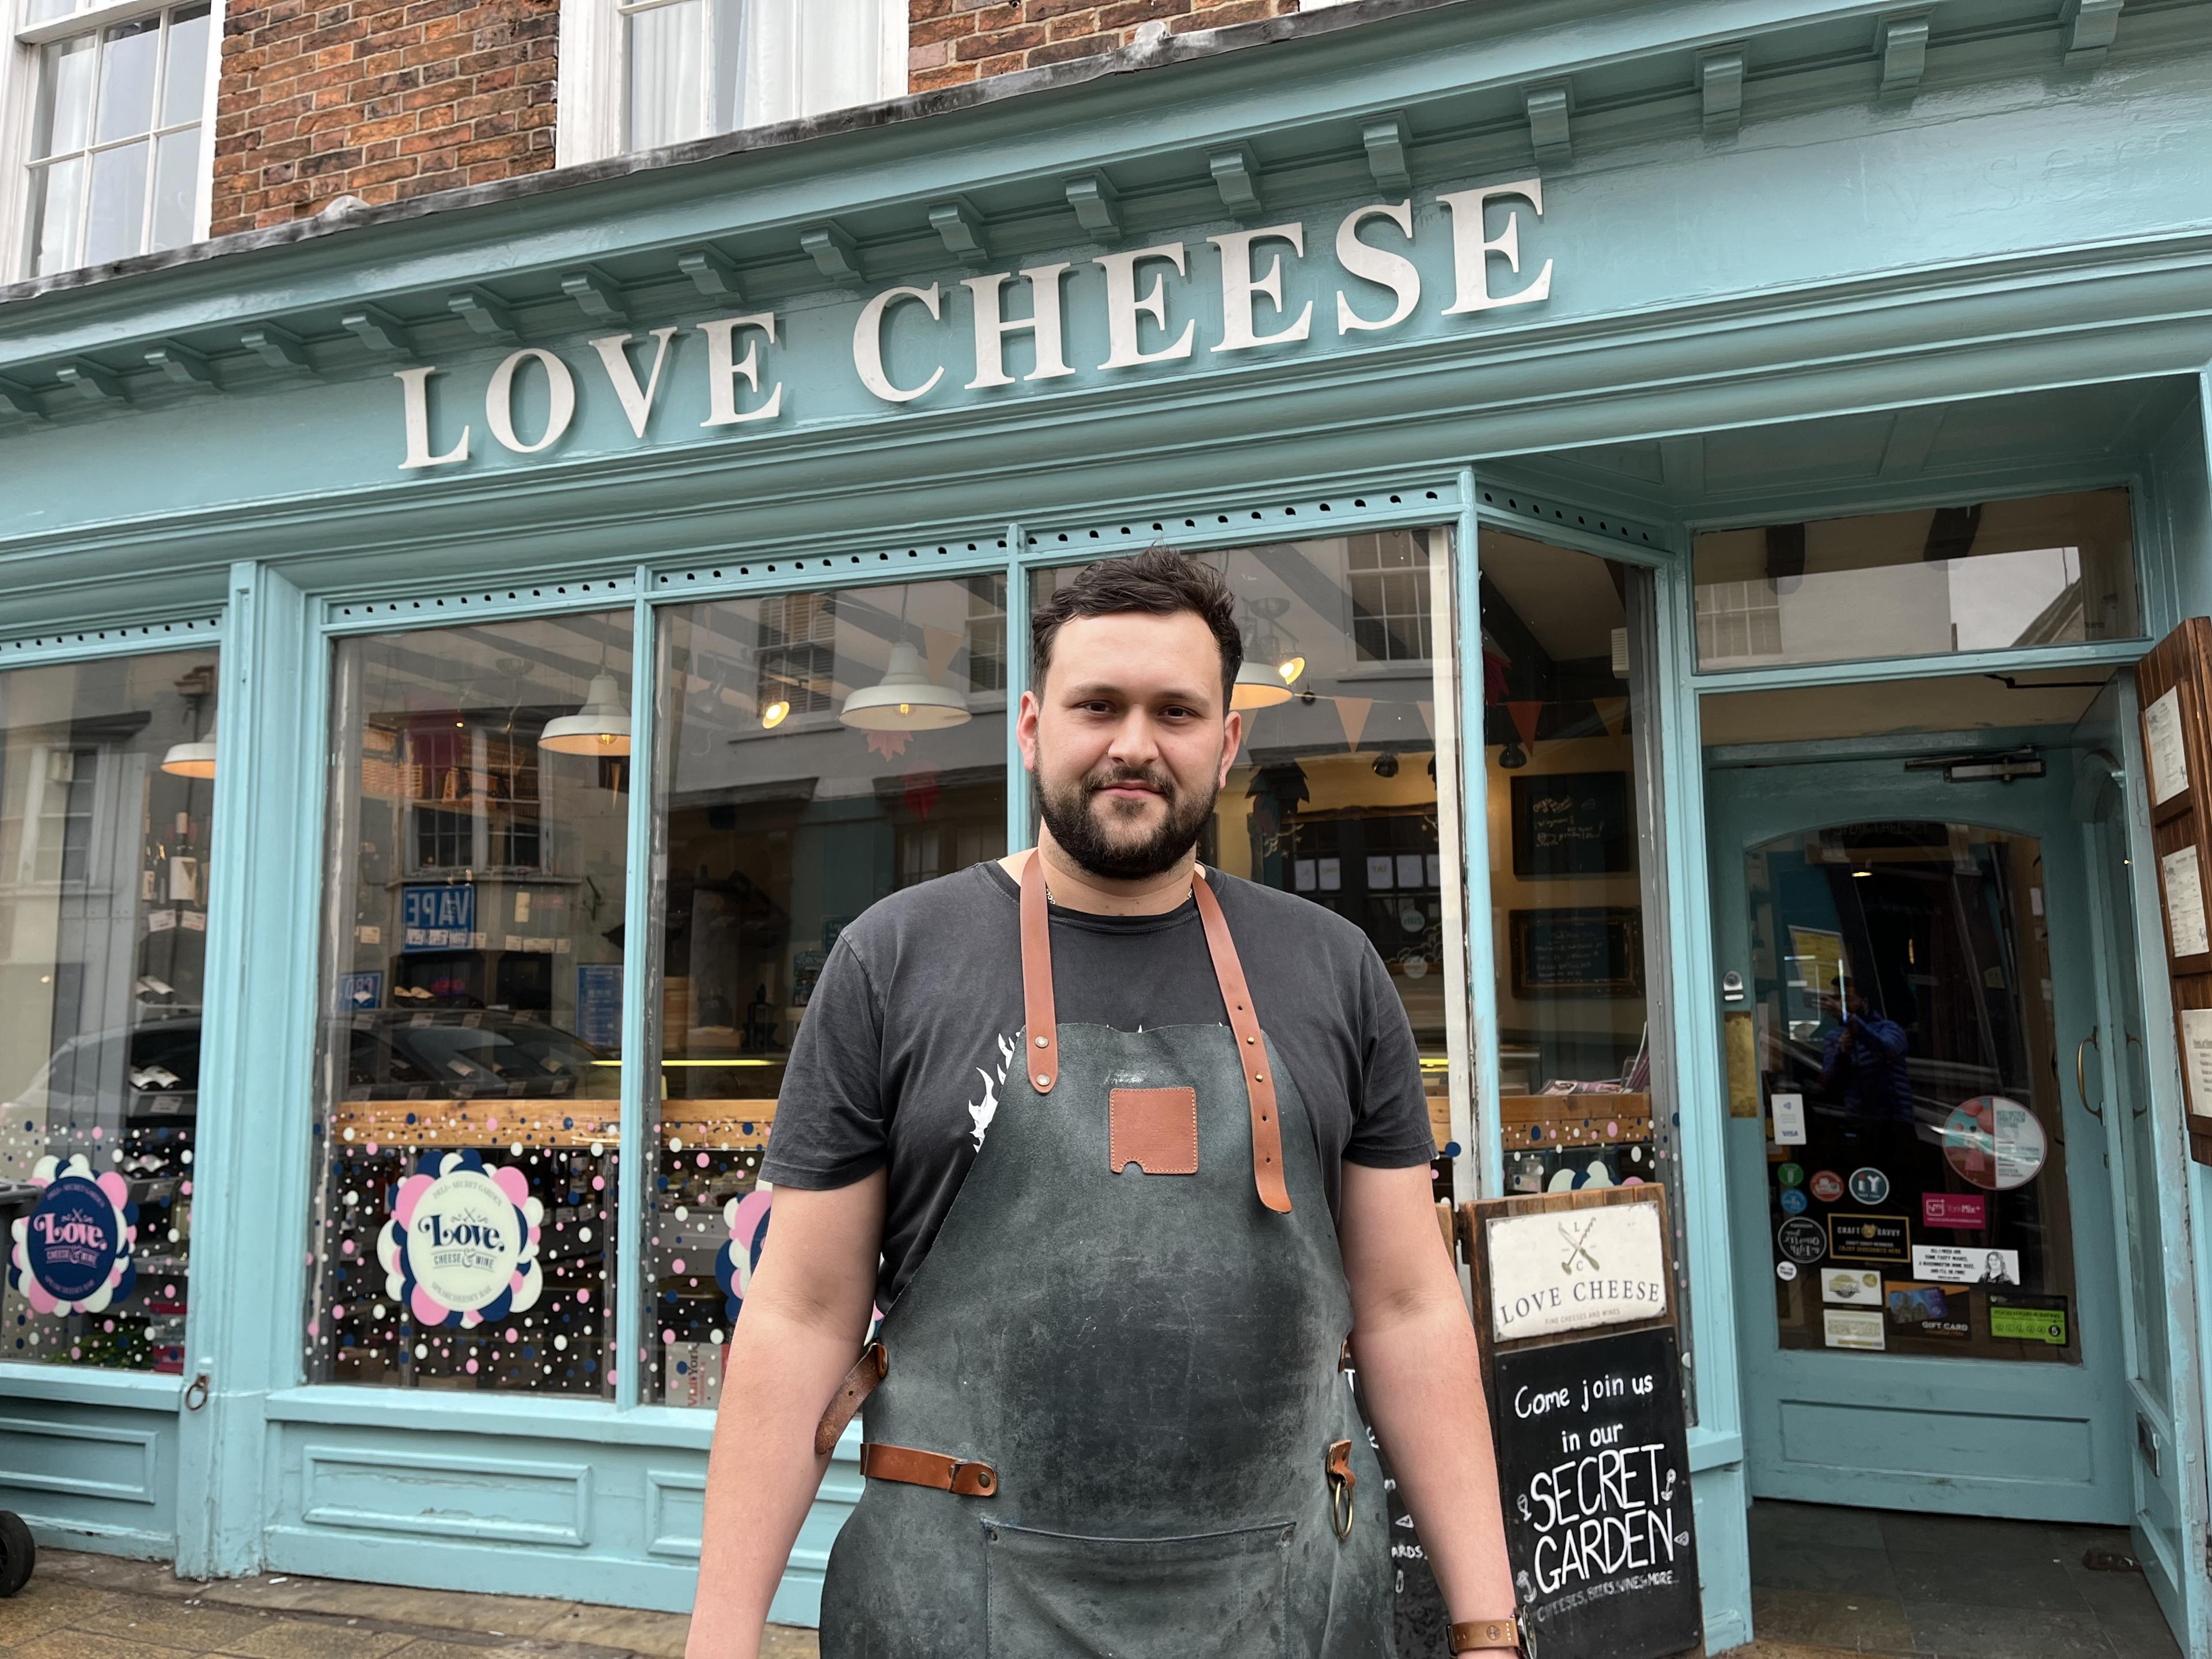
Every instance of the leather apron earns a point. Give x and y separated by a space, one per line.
1107 1416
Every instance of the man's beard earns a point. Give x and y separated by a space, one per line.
1076 819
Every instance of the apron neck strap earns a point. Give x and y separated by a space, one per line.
1251 1050
1040 1032
1041 1037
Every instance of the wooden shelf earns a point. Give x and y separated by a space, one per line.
1532 1121
718 1125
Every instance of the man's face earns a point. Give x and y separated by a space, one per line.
1129 740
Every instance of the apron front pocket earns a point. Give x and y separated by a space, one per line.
1056 1595
1155 1129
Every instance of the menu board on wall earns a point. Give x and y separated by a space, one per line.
2173 688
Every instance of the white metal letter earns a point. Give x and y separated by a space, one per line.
416 383
723 370
499 399
1123 307
1238 287
992 326
1392 270
1472 247
868 344
613 349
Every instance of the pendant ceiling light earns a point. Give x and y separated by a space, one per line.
191 760
905 700
601 727
1259 686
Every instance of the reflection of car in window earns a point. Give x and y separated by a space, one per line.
394 1054
150 1067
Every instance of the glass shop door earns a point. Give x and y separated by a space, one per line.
1920 1194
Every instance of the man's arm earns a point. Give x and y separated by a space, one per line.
805 1313
1420 1373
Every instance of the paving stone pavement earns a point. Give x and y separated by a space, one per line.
96 1606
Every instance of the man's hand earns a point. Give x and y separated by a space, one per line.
1422 1377
805 1314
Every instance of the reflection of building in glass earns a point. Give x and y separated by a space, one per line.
104 849
1987 577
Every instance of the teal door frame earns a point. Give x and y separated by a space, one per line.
2149 1188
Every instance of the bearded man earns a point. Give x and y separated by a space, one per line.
1134 1156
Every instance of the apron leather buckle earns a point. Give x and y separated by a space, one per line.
971 1479
1341 1480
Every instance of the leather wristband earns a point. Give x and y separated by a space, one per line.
1485 1636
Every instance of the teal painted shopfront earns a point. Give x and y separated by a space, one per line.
1696 479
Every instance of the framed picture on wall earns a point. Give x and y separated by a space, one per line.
1589 950
1571 824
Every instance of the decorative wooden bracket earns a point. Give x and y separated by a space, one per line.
834 253
1237 176
483 313
277 347
92 382
1550 109
2090 26
1903 43
384 335
710 273
22 400
1097 205
596 293
960 227
180 363
1720 89
1385 137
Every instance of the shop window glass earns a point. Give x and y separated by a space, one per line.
1348 692
106 786
817 752
1987 576
469 1068
1903 989
1577 887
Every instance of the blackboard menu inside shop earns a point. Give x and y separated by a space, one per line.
1571 824
1594 1463
1594 950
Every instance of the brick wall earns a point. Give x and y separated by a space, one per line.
378 98
950 41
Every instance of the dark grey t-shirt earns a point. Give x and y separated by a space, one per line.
903 1057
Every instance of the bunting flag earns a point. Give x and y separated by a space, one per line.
1613 711
890 744
939 645
1352 714
1525 716
1428 712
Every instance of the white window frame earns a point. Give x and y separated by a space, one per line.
590 123
19 100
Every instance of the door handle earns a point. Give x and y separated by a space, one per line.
2081 1082
2137 1110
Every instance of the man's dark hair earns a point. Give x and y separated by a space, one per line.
1159 581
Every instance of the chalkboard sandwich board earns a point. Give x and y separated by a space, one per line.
1575 1311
